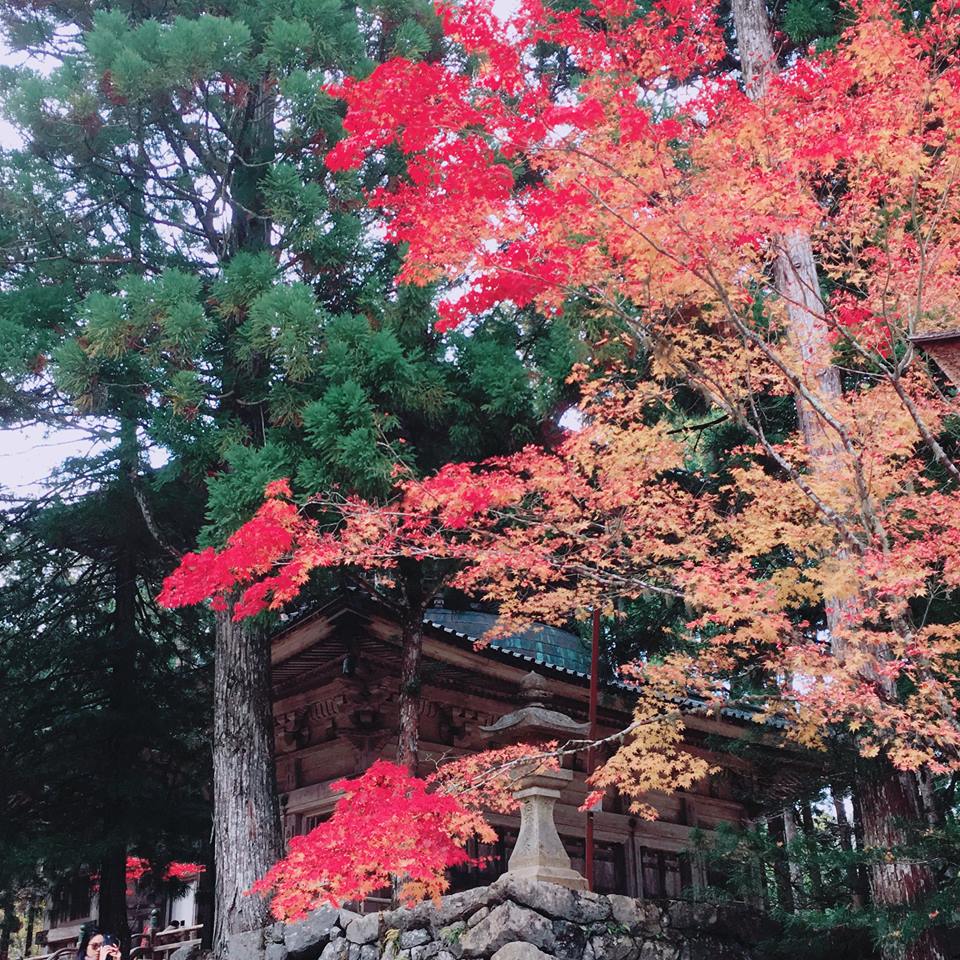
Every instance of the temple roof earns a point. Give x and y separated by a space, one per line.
538 643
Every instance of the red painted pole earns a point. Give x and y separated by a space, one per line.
594 693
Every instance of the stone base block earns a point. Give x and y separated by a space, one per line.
565 877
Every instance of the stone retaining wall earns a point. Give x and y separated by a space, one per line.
514 919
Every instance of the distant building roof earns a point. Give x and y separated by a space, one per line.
539 643
935 336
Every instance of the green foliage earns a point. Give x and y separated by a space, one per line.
182 270
814 884
806 20
104 697
235 493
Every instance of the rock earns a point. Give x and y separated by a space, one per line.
338 949
612 946
548 898
635 915
591 907
245 946
570 940
364 928
695 917
659 950
353 951
551 899
306 939
505 924
414 938
478 916
452 908
274 951
390 949
190 951
369 951
518 950
427 952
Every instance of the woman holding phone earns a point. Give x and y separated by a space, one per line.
95 945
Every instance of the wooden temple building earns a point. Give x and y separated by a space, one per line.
336 690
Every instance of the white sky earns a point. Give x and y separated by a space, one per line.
29 454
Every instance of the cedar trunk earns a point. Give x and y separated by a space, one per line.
858 888
889 804
781 865
121 745
888 796
112 897
247 836
813 853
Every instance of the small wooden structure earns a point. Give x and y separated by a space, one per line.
944 347
336 690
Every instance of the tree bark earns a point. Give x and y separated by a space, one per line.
810 842
781 868
798 283
250 226
6 927
112 897
31 922
408 740
122 745
889 802
790 837
247 835
858 892
408 735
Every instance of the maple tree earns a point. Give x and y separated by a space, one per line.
389 824
138 867
689 210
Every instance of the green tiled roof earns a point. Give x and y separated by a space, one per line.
538 644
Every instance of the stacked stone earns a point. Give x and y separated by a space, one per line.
513 919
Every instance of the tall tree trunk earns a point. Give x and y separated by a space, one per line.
247 835
112 896
781 864
121 746
813 853
6 926
31 923
790 837
408 740
862 881
889 793
889 803
414 601
250 225
858 890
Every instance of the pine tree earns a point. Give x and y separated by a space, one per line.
221 293
104 694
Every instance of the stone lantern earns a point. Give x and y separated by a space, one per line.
539 853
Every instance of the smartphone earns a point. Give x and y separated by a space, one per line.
110 949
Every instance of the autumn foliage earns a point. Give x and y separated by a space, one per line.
138 867
656 197
390 825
